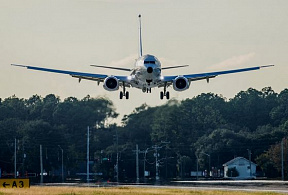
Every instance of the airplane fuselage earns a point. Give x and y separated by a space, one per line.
147 73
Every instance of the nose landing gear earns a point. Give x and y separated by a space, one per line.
146 90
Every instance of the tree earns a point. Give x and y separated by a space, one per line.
13 107
251 108
272 159
35 133
9 132
222 145
202 126
138 126
279 113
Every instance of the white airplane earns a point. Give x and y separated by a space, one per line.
146 74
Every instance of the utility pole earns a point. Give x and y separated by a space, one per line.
249 153
15 158
117 158
282 158
24 156
137 164
88 154
41 166
145 153
156 147
209 162
166 164
197 167
62 165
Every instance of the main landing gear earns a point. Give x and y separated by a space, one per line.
162 94
124 93
165 93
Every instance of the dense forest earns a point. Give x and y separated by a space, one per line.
176 133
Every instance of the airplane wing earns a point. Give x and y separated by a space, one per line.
110 67
80 75
171 67
208 75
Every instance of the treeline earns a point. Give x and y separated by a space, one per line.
208 127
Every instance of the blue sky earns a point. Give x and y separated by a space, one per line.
208 35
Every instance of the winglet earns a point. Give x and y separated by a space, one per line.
19 65
265 66
140 37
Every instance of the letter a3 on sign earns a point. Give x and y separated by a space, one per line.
14 183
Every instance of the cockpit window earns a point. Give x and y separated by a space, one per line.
149 62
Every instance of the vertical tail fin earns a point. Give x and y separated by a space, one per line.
140 37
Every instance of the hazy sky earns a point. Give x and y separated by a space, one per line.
208 35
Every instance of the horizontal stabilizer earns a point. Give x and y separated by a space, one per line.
170 67
109 67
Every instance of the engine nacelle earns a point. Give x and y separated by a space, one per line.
180 83
111 83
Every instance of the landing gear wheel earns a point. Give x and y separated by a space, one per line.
124 93
167 95
164 93
161 95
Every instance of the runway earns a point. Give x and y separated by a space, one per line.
283 191
221 185
247 186
239 185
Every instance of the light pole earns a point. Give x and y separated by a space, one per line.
209 161
62 165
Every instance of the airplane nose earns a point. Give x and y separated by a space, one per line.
149 69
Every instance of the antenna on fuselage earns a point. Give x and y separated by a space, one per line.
140 37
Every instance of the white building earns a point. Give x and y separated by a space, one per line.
242 165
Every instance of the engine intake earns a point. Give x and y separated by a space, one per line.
111 83
180 83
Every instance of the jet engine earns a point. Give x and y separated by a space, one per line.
180 83
111 83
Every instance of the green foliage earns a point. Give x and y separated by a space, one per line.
252 108
51 123
207 129
222 142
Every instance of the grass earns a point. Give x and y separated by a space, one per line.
38 190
